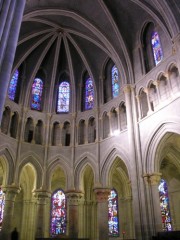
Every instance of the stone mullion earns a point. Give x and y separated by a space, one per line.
169 85
9 125
86 132
34 129
110 124
148 100
118 117
156 83
73 130
139 107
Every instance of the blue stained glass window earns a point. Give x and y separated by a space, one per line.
164 205
115 81
58 213
37 89
156 46
63 97
13 86
113 221
2 202
89 94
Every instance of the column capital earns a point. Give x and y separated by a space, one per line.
146 90
102 194
11 188
127 88
40 193
74 115
11 191
156 82
153 178
74 196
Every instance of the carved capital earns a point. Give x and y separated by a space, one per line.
102 194
127 89
11 191
153 178
74 197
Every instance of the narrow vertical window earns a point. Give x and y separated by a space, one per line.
13 86
156 47
89 94
2 202
63 97
58 213
115 81
113 221
164 205
37 89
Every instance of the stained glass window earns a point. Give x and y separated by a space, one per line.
113 222
37 89
164 205
156 46
115 81
2 202
58 213
89 94
63 97
13 86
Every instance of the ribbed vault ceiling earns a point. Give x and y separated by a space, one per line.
79 35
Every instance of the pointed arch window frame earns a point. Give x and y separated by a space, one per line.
88 93
165 206
63 98
36 94
12 90
115 81
56 225
113 216
156 48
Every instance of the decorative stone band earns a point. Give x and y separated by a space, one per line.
153 178
102 194
74 197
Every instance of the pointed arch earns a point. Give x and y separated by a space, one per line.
58 213
36 94
12 90
63 100
31 159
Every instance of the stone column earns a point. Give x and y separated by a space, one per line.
146 90
139 208
86 132
10 195
118 113
152 182
8 50
139 107
42 201
169 85
110 127
73 200
156 83
102 212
